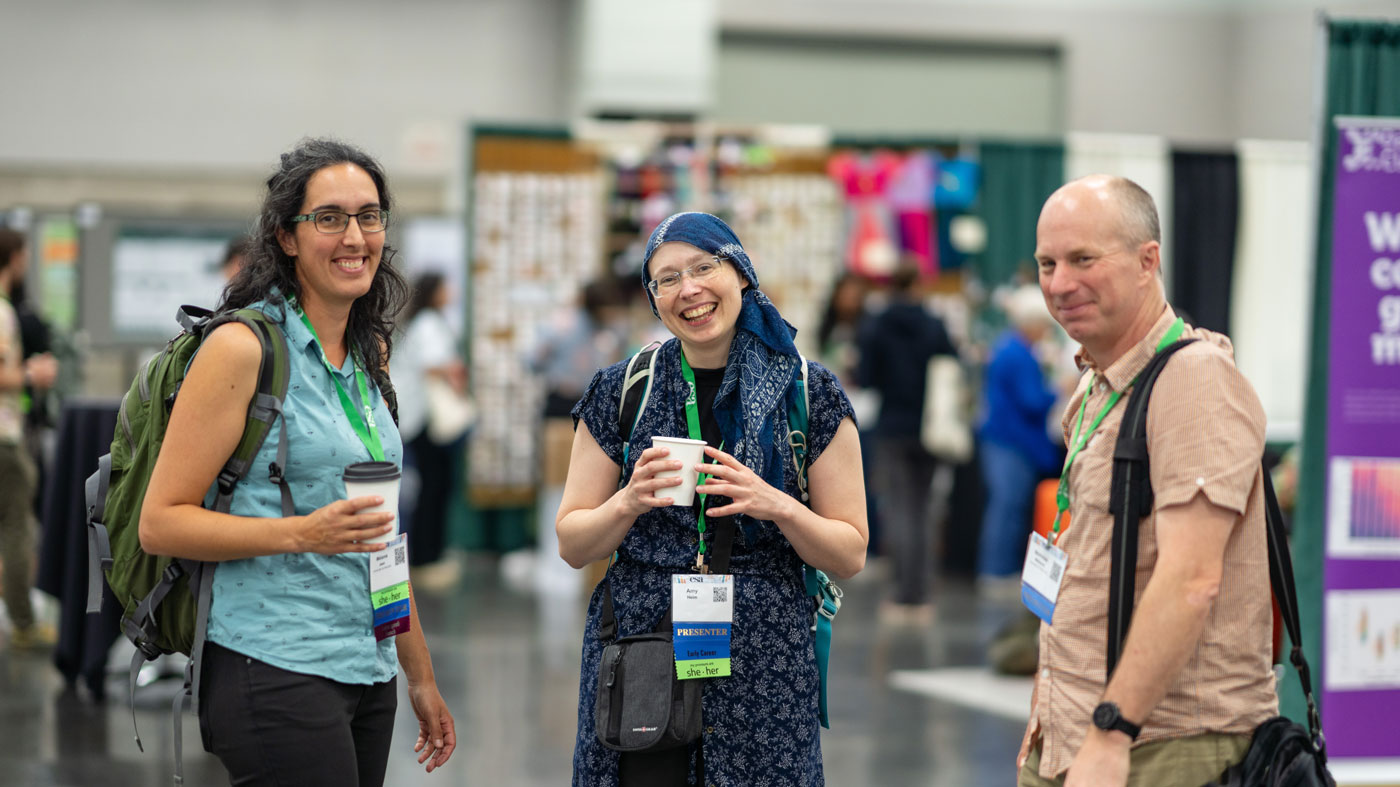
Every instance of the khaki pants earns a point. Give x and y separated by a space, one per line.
17 478
1180 762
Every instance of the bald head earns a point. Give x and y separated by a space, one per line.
1134 208
1099 258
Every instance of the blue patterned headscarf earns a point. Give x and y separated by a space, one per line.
751 405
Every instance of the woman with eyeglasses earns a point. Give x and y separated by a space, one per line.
296 687
730 378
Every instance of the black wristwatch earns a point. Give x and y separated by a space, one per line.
1107 717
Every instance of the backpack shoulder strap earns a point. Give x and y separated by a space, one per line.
1130 499
826 595
636 392
274 372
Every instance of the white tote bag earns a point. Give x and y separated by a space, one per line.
450 414
946 431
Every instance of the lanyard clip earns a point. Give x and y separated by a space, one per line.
700 567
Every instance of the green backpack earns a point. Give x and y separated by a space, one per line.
165 601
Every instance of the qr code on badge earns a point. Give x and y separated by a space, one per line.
400 555
721 595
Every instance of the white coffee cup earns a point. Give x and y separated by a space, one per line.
690 453
375 478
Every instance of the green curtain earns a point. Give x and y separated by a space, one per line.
1017 177
1363 78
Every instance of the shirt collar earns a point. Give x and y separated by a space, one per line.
1123 371
299 337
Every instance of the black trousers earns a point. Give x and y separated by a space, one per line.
271 726
437 468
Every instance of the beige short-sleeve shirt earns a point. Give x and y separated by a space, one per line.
11 415
1205 435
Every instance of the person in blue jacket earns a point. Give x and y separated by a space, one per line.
1015 449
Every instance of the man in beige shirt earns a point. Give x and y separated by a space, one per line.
1195 677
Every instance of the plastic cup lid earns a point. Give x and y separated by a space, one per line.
372 471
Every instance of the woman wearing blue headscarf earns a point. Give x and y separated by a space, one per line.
761 721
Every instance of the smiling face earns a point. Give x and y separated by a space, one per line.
336 269
702 314
1097 284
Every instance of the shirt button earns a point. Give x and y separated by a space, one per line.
709 730
1045 674
1200 481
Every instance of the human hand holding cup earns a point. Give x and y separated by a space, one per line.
690 453
375 478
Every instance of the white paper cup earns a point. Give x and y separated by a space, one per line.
690 453
375 478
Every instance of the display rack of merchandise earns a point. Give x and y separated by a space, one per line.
791 228
537 240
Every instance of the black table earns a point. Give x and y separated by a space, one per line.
84 434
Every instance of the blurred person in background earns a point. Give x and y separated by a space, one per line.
1015 449
234 255
40 404
895 348
428 376
732 342
579 342
18 473
839 349
296 688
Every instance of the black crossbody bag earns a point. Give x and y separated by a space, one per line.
1282 753
641 705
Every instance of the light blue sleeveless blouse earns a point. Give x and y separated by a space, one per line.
306 612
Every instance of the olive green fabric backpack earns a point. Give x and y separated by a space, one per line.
165 601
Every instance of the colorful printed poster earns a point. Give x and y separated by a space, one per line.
1361 632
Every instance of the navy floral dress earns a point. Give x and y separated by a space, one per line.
761 727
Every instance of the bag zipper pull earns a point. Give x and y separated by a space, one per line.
612 674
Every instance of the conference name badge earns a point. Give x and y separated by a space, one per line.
1041 576
388 588
702 618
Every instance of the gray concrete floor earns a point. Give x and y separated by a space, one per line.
508 666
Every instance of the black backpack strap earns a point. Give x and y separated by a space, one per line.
193 318
1286 592
1130 499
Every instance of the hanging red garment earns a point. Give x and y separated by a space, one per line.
870 248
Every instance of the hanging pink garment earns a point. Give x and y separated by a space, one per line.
910 196
870 248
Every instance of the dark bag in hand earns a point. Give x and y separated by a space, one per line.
641 705
1282 753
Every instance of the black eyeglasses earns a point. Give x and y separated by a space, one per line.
333 222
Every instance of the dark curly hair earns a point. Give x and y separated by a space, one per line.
267 270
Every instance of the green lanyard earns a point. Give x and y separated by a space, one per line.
692 423
361 420
1081 438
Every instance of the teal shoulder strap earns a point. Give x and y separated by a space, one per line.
824 592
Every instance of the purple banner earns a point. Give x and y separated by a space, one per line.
1360 676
